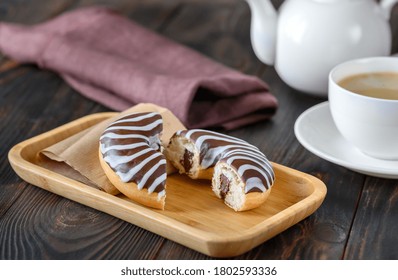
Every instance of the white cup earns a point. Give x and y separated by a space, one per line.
370 124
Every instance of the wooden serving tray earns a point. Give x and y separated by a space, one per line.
193 216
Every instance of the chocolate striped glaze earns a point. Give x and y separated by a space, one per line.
250 163
131 147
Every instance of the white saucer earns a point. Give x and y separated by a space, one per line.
316 131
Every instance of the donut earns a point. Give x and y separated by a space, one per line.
130 154
241 174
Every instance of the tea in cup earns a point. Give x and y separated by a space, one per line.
363 100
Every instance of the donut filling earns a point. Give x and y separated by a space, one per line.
228 186
181 152
186 160
224 185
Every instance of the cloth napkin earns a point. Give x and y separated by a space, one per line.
114 61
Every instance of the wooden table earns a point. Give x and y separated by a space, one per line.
358 219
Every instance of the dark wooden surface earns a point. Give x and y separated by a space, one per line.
358 220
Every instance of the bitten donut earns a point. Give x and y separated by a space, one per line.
130 154
241 174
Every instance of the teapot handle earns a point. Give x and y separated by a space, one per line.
386 6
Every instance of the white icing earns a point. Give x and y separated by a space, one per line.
136 119
254 182
154 142
261 162
157 182
245 167
148 174
126 177
136 128
123 136
161 194
144 137
114 160
121 147
212 154
213 136
234 149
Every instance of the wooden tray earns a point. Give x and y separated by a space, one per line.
193 217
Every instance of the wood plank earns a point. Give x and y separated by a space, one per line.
217 30
40 225
374 231
34 101
32 12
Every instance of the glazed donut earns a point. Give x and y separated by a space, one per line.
130 154
241 174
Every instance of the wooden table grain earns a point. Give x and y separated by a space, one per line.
358 219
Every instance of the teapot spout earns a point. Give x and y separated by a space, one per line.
387 6
263 30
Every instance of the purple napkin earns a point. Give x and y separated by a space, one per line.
114 61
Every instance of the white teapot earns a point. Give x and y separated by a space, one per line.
309 37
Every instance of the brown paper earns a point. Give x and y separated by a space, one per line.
77 156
